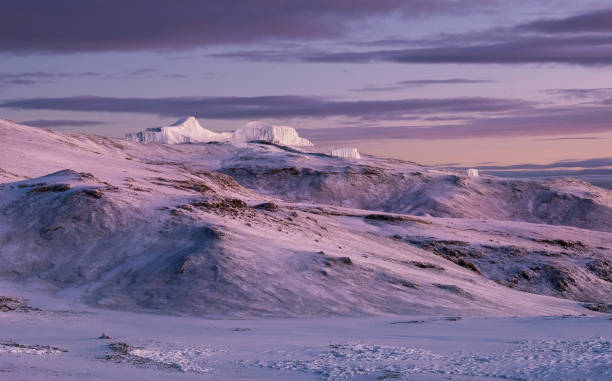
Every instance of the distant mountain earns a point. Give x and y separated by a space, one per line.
186 129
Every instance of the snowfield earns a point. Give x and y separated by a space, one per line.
193 257
157 347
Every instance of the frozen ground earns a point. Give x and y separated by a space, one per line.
151 347
261 261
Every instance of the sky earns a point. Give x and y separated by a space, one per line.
466 83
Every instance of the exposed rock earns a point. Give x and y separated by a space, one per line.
454 289
385 217
426 265
599 307
50 188
8 304
602 268
269 206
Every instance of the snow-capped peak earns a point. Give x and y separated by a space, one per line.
190 121
186 129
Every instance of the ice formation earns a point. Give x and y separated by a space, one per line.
351 153
185 130
472 172
259 131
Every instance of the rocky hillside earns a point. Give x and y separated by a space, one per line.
263 230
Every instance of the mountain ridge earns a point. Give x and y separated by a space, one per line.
171 229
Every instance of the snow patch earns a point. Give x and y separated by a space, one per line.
259 131
350 153
185 360
10 347
166 357
528 360
186 129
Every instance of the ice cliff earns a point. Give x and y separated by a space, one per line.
472 172
351 153
259 131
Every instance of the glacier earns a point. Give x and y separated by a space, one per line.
259 131
472 172
351 153
186 129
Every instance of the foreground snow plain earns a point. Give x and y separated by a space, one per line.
192 257
161 347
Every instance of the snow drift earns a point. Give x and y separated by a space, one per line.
349 153
185 130
258 131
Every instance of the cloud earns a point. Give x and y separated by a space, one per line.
284 106
18 81
420 83
68 26
71 26
602 93
140 72
584 39
580 50
459 118
595 21
36 77
573 119
62 123
597 171
573 138
531 122
145 72
587 163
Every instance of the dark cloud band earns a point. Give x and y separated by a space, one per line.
581 40
66 26
552 121
288 106
420 83
44 123
579 50
596 21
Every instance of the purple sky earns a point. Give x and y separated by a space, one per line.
435 81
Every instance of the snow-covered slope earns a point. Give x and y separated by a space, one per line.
158 227
401 187
186 129
261 132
